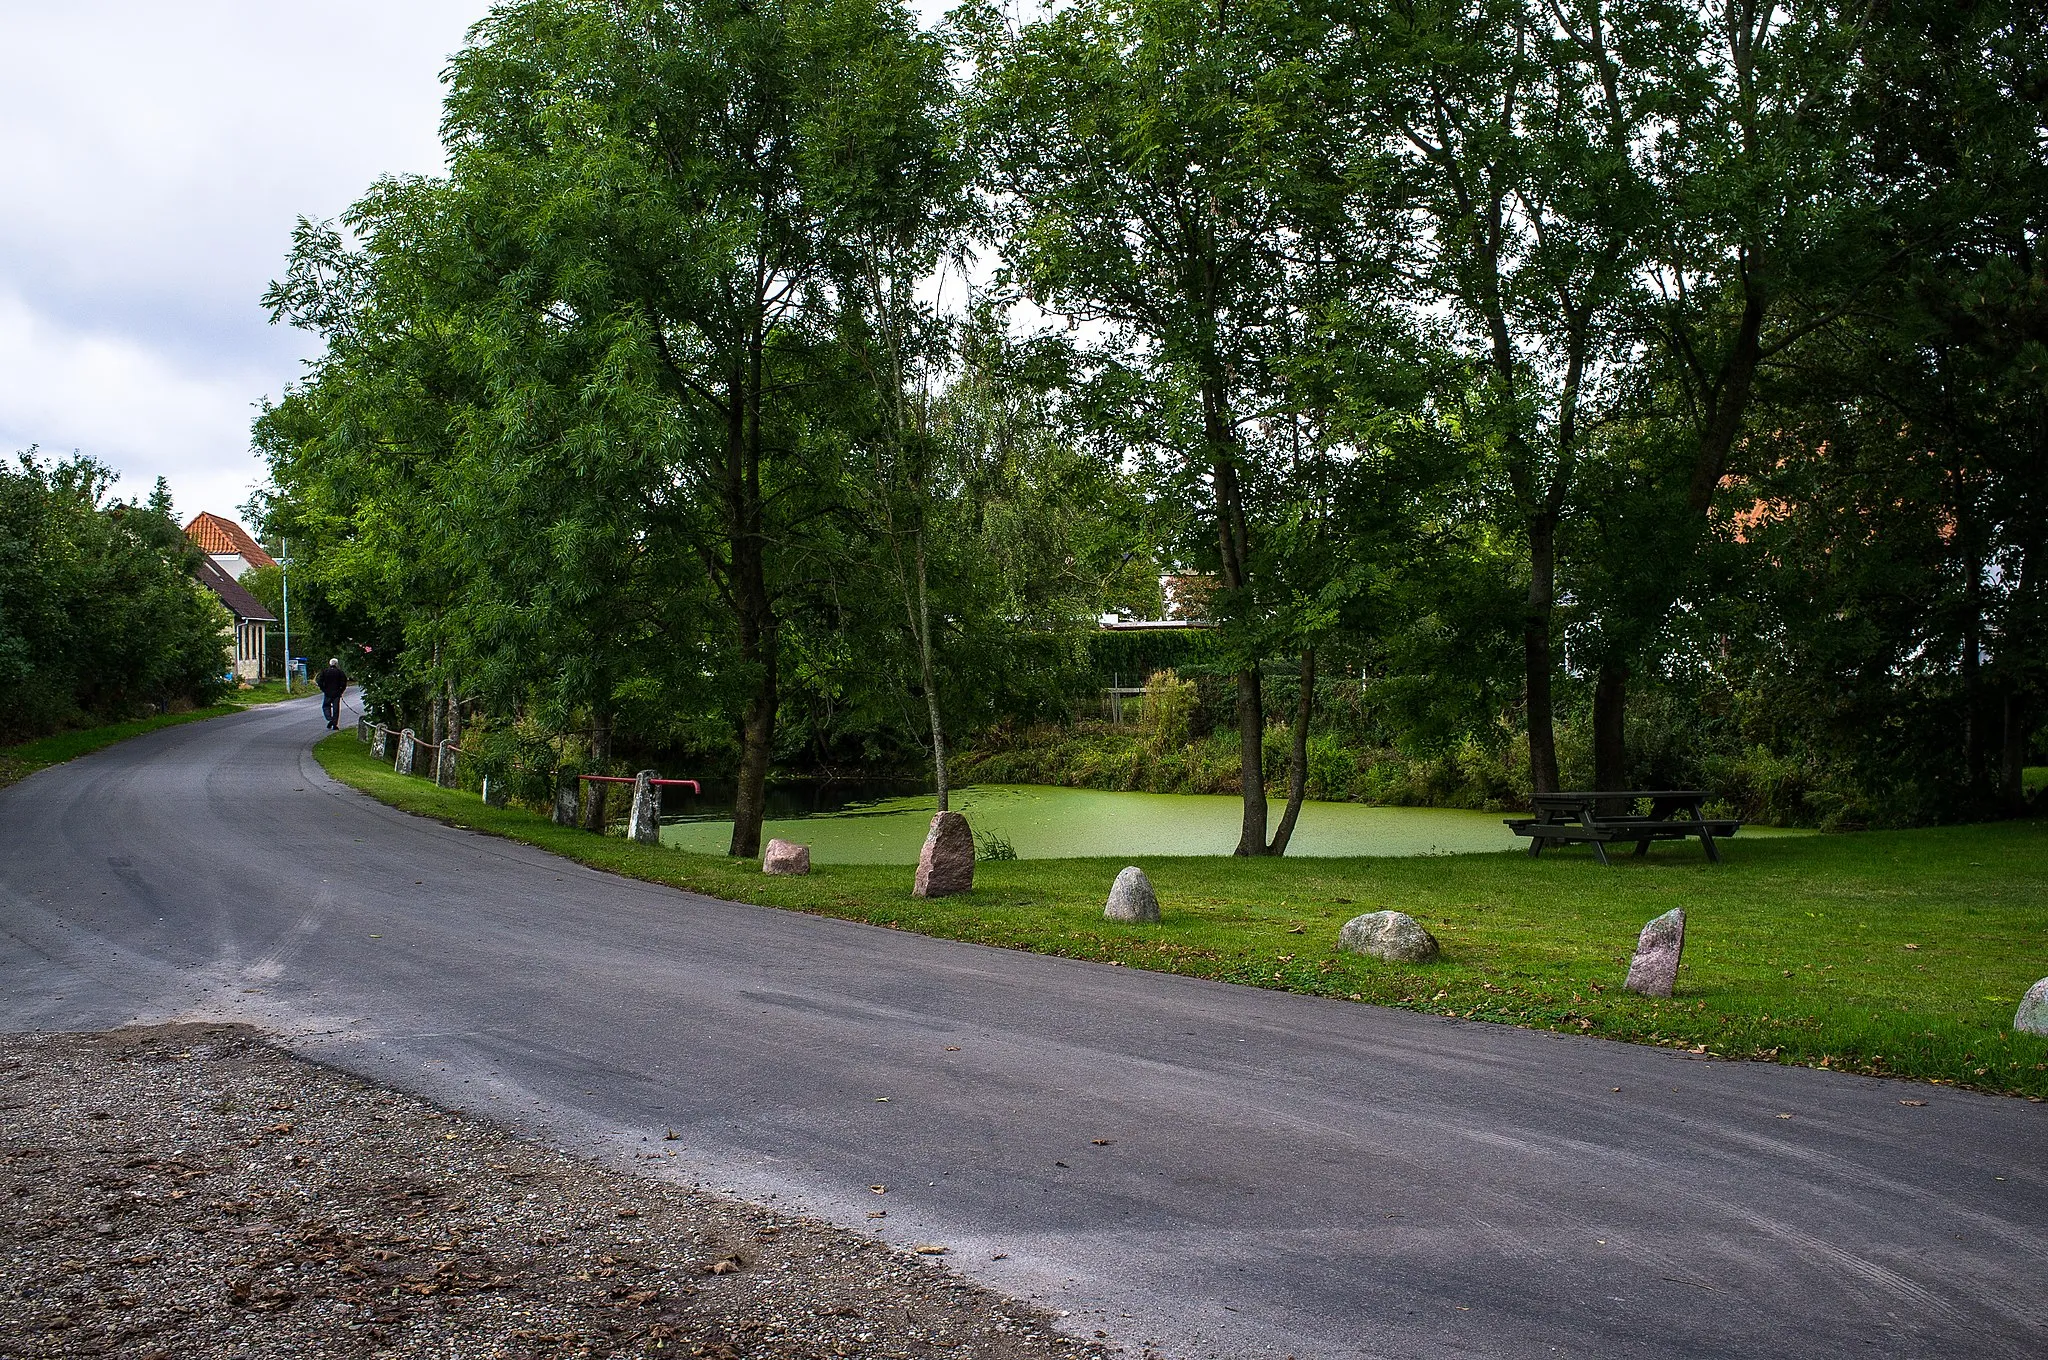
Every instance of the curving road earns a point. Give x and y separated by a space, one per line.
1276 1175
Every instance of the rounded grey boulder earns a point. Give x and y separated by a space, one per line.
1390 935
2033 1012
1131 897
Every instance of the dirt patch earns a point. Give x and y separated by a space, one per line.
190 1190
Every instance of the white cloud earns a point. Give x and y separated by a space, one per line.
127 405
153 159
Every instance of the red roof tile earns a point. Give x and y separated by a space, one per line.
218 536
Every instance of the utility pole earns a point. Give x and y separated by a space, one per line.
284 548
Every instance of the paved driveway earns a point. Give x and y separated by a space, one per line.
1214 1171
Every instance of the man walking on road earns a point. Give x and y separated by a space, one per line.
332 682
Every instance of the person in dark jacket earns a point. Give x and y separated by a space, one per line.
332 683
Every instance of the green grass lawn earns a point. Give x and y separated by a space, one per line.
1896 953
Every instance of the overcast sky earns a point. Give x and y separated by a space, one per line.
153 158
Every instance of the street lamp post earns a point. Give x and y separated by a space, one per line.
284 548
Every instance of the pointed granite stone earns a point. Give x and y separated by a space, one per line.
946 864
1654 970
1131 898
2032 1017
645 822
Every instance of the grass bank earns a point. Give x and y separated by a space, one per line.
1894 953
20 761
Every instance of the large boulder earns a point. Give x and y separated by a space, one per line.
2033 1013
1654 970
1131 897
786 857
946 864
1390 935
644 825
565 800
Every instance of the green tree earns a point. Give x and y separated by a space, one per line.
1172 176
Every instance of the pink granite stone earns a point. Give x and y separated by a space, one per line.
1654 970
946 864
786 857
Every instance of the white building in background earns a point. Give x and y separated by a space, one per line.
230 554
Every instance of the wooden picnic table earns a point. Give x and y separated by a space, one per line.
1675 814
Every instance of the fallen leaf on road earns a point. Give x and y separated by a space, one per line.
724 1266
1912 1102
952 1048
878 1213
1784 1116
1102 1142
879 1189
930 1249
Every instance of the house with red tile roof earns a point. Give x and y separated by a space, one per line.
228 544
230 552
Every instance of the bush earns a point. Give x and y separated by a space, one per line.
100 617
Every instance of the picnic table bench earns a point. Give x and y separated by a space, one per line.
1675 814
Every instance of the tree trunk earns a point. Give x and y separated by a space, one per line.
600 757
759 642
928 673
1234 555
2017 727
1251 761
1297 755
1973 676
1610 708
1536 653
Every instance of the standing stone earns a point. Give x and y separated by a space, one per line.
444 764
1391 935
786 857
363 730
386 744
1131 898
2033 1012
644 823
1654 970
408 751
495 797
946 864
565 801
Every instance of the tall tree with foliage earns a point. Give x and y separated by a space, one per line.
1169 175
678 178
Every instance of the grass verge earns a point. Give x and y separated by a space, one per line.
1891 953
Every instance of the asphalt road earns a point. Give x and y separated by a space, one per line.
1275 1175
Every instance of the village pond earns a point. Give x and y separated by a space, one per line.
870 825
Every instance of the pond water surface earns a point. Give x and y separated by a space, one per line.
1054 823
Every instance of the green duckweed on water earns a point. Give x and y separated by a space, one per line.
1055 823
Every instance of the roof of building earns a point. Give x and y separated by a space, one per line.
244 606
221 537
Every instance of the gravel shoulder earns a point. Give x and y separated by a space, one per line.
190 1189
